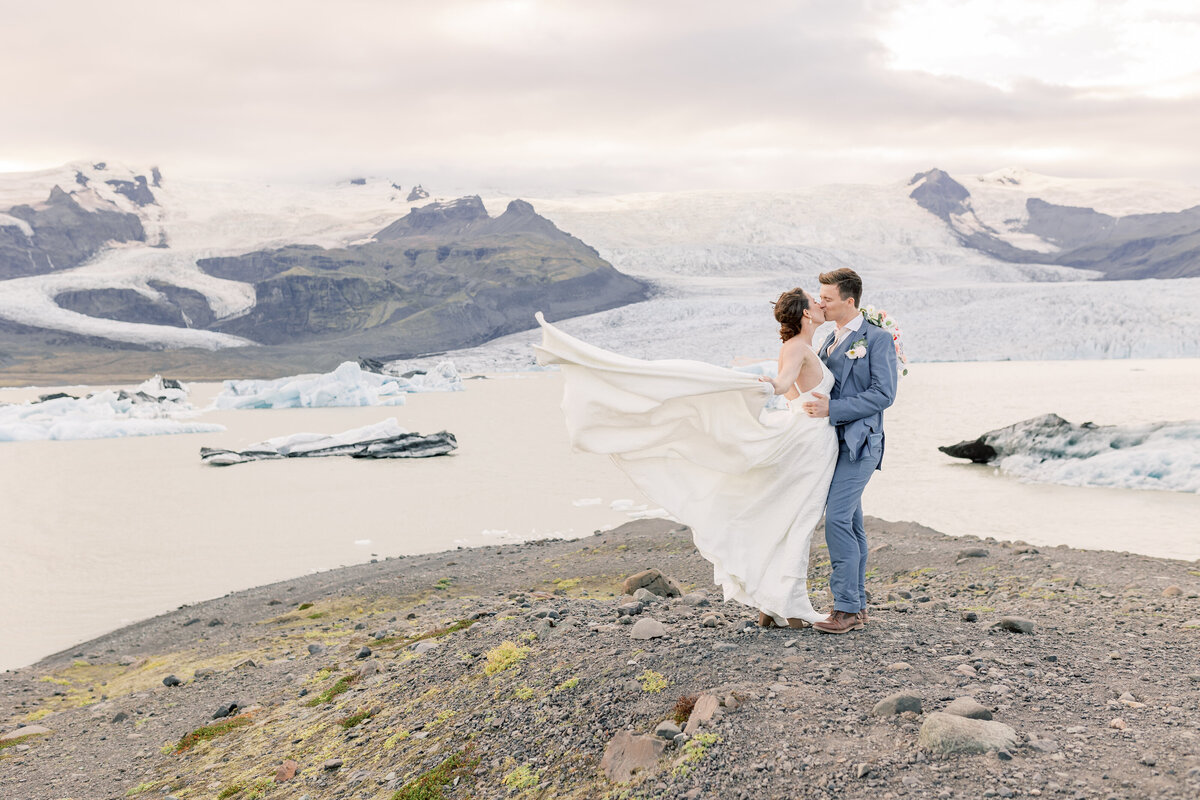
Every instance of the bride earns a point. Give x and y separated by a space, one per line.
697 439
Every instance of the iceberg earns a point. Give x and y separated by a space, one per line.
382 440
348 385
1162 456
158 406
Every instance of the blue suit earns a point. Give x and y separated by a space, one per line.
862 388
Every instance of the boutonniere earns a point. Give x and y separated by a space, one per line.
858 349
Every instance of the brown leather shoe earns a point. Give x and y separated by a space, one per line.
840 622
765 620
798 624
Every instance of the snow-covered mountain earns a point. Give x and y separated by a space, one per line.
1145 230
716 260
221 265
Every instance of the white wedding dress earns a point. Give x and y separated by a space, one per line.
698 440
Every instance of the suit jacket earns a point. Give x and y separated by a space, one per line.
862 389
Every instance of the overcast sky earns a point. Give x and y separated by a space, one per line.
600 95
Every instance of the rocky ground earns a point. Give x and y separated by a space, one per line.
523 672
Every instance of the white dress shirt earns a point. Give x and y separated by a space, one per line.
850 327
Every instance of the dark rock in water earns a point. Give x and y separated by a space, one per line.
136 190
55 396
1019 437
418 193
65 234
405 445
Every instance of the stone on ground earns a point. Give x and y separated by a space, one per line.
1015 624
647 628
968 707
286 771
628 753
654 581
897 703
28 730
702 713
947 733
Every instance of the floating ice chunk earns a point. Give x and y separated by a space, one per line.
102 415
348 385
586 501
164 389
441 377
1049 449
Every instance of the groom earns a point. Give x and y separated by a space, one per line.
862 358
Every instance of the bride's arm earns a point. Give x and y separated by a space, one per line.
791 359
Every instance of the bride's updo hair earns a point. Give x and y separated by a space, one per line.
789 312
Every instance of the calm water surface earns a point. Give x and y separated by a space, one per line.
96 534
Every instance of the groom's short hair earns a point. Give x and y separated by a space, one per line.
847 282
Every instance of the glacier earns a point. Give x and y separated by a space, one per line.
348 385
156 407
716 260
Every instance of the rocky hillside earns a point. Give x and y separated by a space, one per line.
60 233
1133 246
447 275
986 669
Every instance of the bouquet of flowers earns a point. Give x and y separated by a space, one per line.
880 319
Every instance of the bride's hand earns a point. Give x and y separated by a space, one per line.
765 379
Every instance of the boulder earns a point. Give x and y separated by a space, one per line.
648 628
897 703
628 753
947 733
653 581
1015 625
702 713
28 730
286 771
968 707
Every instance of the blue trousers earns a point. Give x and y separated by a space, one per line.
844 532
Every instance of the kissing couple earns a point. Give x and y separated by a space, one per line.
751 481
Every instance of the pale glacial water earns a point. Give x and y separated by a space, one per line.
96 534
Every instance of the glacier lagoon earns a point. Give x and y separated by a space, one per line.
99 533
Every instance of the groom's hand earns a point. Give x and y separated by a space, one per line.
818 407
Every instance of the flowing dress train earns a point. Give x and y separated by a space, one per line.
697 439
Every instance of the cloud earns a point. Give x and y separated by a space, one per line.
605 95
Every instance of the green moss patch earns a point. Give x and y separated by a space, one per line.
213 731
342 685
357 718
429 786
